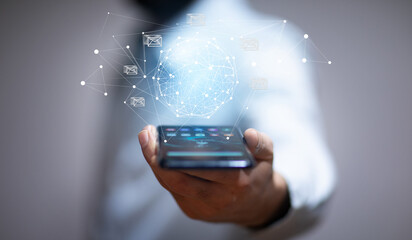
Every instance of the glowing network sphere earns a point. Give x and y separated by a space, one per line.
195 77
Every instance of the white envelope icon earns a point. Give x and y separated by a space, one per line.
195 19
130 69
259 84
137 102
249 44
152 40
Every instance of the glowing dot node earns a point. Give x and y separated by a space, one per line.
285 21
304 60
82 83
306 36
101 66
329 62
165 141
144 76
227 138
134 86
108 12
127 46
96 51
105 93
253 64
124 102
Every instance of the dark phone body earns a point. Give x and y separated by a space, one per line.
198 147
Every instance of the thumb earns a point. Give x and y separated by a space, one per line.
259 144
147 139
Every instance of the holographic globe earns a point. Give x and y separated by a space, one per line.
195 77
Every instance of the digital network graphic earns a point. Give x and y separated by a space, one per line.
194 68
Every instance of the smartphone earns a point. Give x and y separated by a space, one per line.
196 147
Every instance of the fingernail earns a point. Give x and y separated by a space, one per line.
153 132
143 138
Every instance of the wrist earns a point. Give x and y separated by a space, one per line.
276 202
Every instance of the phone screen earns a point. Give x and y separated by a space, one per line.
202 147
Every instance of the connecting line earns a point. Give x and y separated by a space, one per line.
91 74
318 62
123 76
144 55
104 59
104 25
165 29
114 59
188 119
261 29
313 44
132 60
251 94
281 32
290 50
131 53
94 89
304 49
110 49
136 19
104 83
109 85
137 114
127 34
154 104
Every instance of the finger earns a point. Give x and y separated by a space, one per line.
186 185
174 181
227 176
259 144
147 141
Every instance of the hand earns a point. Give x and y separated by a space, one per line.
249 197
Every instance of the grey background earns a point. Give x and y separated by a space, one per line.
50 162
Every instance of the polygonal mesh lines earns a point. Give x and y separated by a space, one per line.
195 77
